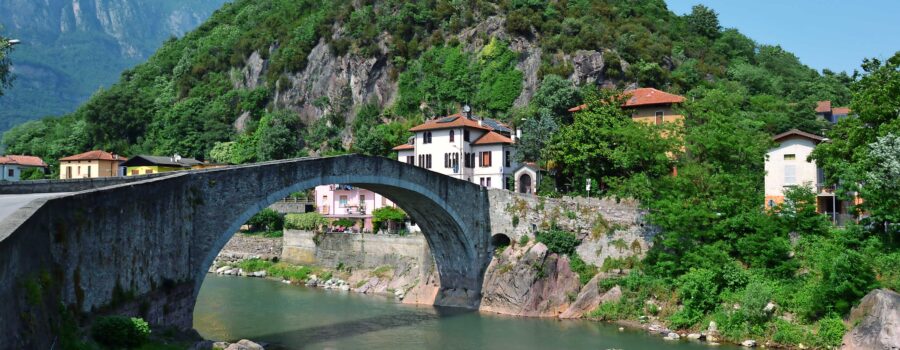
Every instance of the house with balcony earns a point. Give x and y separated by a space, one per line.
340 201
463 146
12 166
91 164
789 165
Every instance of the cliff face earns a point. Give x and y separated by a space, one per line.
360 80
71 48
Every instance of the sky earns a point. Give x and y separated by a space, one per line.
833 34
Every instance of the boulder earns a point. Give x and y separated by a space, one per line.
672 336
877 320
589 298
694 336
749 343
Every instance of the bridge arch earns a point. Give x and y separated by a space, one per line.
144 247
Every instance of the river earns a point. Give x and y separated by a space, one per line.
293 317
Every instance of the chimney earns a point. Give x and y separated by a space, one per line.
518 133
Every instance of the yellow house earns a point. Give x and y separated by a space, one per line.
649 106
141 165
90 165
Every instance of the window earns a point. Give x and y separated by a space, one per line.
466 135
426 137
484 160
506 159
12 172
135 172
148 171
659 117
790 156
455 161
481 179
469 161
488 182
411 160
428 161
89 171
447 160
452 136
79 170
771 203
68 172
342 201
790 175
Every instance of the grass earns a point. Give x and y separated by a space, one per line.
253 265
289 272
266 234
383 271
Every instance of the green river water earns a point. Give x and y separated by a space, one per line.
293 317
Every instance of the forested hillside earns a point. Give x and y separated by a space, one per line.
296 74
271 79
72 48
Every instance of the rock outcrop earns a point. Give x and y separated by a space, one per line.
877 320
529 281
590 297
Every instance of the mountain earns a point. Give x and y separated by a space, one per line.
72 48
271 79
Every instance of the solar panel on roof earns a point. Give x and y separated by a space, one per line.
493 124
447 119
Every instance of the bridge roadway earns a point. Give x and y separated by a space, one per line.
9 203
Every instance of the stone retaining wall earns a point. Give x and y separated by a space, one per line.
366 251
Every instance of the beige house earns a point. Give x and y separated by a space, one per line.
649 105
90 165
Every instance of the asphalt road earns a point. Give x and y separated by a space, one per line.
9 203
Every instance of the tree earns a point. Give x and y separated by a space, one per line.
5 77
387 215
604 143
704 21
278 136
859 146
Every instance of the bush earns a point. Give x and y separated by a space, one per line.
558 241
787 333
266 220
120 331
289 272
253 265
699 293
312 221
584 270
830 331
389 215
523 240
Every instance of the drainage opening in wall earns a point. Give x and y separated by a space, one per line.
500 240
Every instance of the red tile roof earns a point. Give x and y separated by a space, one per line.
796 132
841 110
23 160
823 106
492 138
643 97
95 155
448 122
404 147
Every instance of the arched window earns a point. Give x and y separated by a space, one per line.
452 135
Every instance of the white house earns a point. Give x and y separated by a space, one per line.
11 166
465 147
789 165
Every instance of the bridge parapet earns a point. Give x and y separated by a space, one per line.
70 185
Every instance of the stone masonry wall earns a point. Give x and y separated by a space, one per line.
366 251
608 229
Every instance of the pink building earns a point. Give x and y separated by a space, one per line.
345 201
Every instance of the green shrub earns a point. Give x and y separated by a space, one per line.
699 293
787 333
307 221
609 311
289 272
387 215
253 265
267 219
584 270
830 331
120 331
344 222
558 241
523 240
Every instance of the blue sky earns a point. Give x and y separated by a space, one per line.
833 34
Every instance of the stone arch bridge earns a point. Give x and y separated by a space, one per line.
143 247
